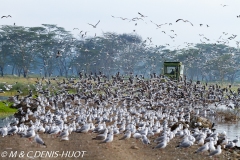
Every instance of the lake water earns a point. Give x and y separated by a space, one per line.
232 129
6 120
3 98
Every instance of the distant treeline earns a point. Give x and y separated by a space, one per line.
50 50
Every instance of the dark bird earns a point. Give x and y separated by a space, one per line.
135 19
58 54
224 5
141 15
94 26
6 16
184 21
121 18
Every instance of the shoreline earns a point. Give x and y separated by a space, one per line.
119 149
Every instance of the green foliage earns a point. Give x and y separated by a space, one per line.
24 49
6 110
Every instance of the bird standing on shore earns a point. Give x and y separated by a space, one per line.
218 151
39 140
127 135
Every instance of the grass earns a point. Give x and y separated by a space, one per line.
6 110
20 83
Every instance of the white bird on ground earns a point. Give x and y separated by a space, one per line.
162 144
127 135
218 151
4 131
203 148
145 140
39 140
102 136
109 138
137 136
30 134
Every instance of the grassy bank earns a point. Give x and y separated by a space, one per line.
5 109
18 83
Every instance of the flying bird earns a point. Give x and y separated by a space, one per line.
158 25
224 5
58 54
141 15
6 16
121 18
136 18
184 21
94 26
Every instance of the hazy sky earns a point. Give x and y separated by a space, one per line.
78 13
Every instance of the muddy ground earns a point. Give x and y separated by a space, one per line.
117 150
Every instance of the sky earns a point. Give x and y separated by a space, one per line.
219 15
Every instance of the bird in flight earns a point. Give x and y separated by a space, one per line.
121 18
141 15
184 21
94 26
158 25
6 16
224 5
58 54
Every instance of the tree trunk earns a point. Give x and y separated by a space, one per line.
1 71
25 72
13 68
